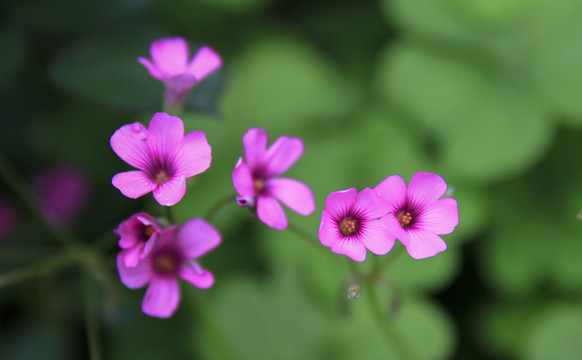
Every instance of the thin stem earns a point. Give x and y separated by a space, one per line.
52 263
392 335
212 331
170 215
91 321
313 242
394 254
213 210
18 186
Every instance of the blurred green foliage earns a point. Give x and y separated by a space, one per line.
485 93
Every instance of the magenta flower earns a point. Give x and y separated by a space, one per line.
7 217
138 235
61 192
170 64
164 156
351 223
173 254
417 214
257 182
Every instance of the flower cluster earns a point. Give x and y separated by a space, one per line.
153 252
372 219
156 253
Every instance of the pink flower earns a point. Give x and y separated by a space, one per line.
138 235
164 156
174 253
351 223
257 182
61 193
417 216
7 217
170 65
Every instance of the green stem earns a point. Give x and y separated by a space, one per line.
170 215
212 331
18 186
52 263
91 321
393 337
213 210
394 254
313 242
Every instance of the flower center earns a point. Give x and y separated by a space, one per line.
146 232
161 177
349 226
259 185
404 218
165 264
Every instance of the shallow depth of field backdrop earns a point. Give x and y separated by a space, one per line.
486 93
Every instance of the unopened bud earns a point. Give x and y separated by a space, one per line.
354 291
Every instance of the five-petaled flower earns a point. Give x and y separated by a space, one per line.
257 182
417 214
164 156
137 237
351 222
174 254
170 64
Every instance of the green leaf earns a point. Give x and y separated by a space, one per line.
555 334
282 84
485 130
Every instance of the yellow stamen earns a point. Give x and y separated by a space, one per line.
348 226
161 178
165 263
259 185
404 218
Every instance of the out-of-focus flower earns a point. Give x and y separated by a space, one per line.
7 217
164 156
417 214
170 63
61 193
351 223
257 182
138 235
174 254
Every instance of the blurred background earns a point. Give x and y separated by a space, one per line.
485 93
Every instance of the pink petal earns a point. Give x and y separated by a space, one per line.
394 229
205 62
351 248
131 256
328 230
162 297
170 55
129 143
255 142
392 190
371 204
423 244
165 133
178 85
170 192
153 70
197 276
377 238
337 203
425 188
440 217
133 184
271 213
134 277
295 194
197 237
282 154
243 180
194 154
